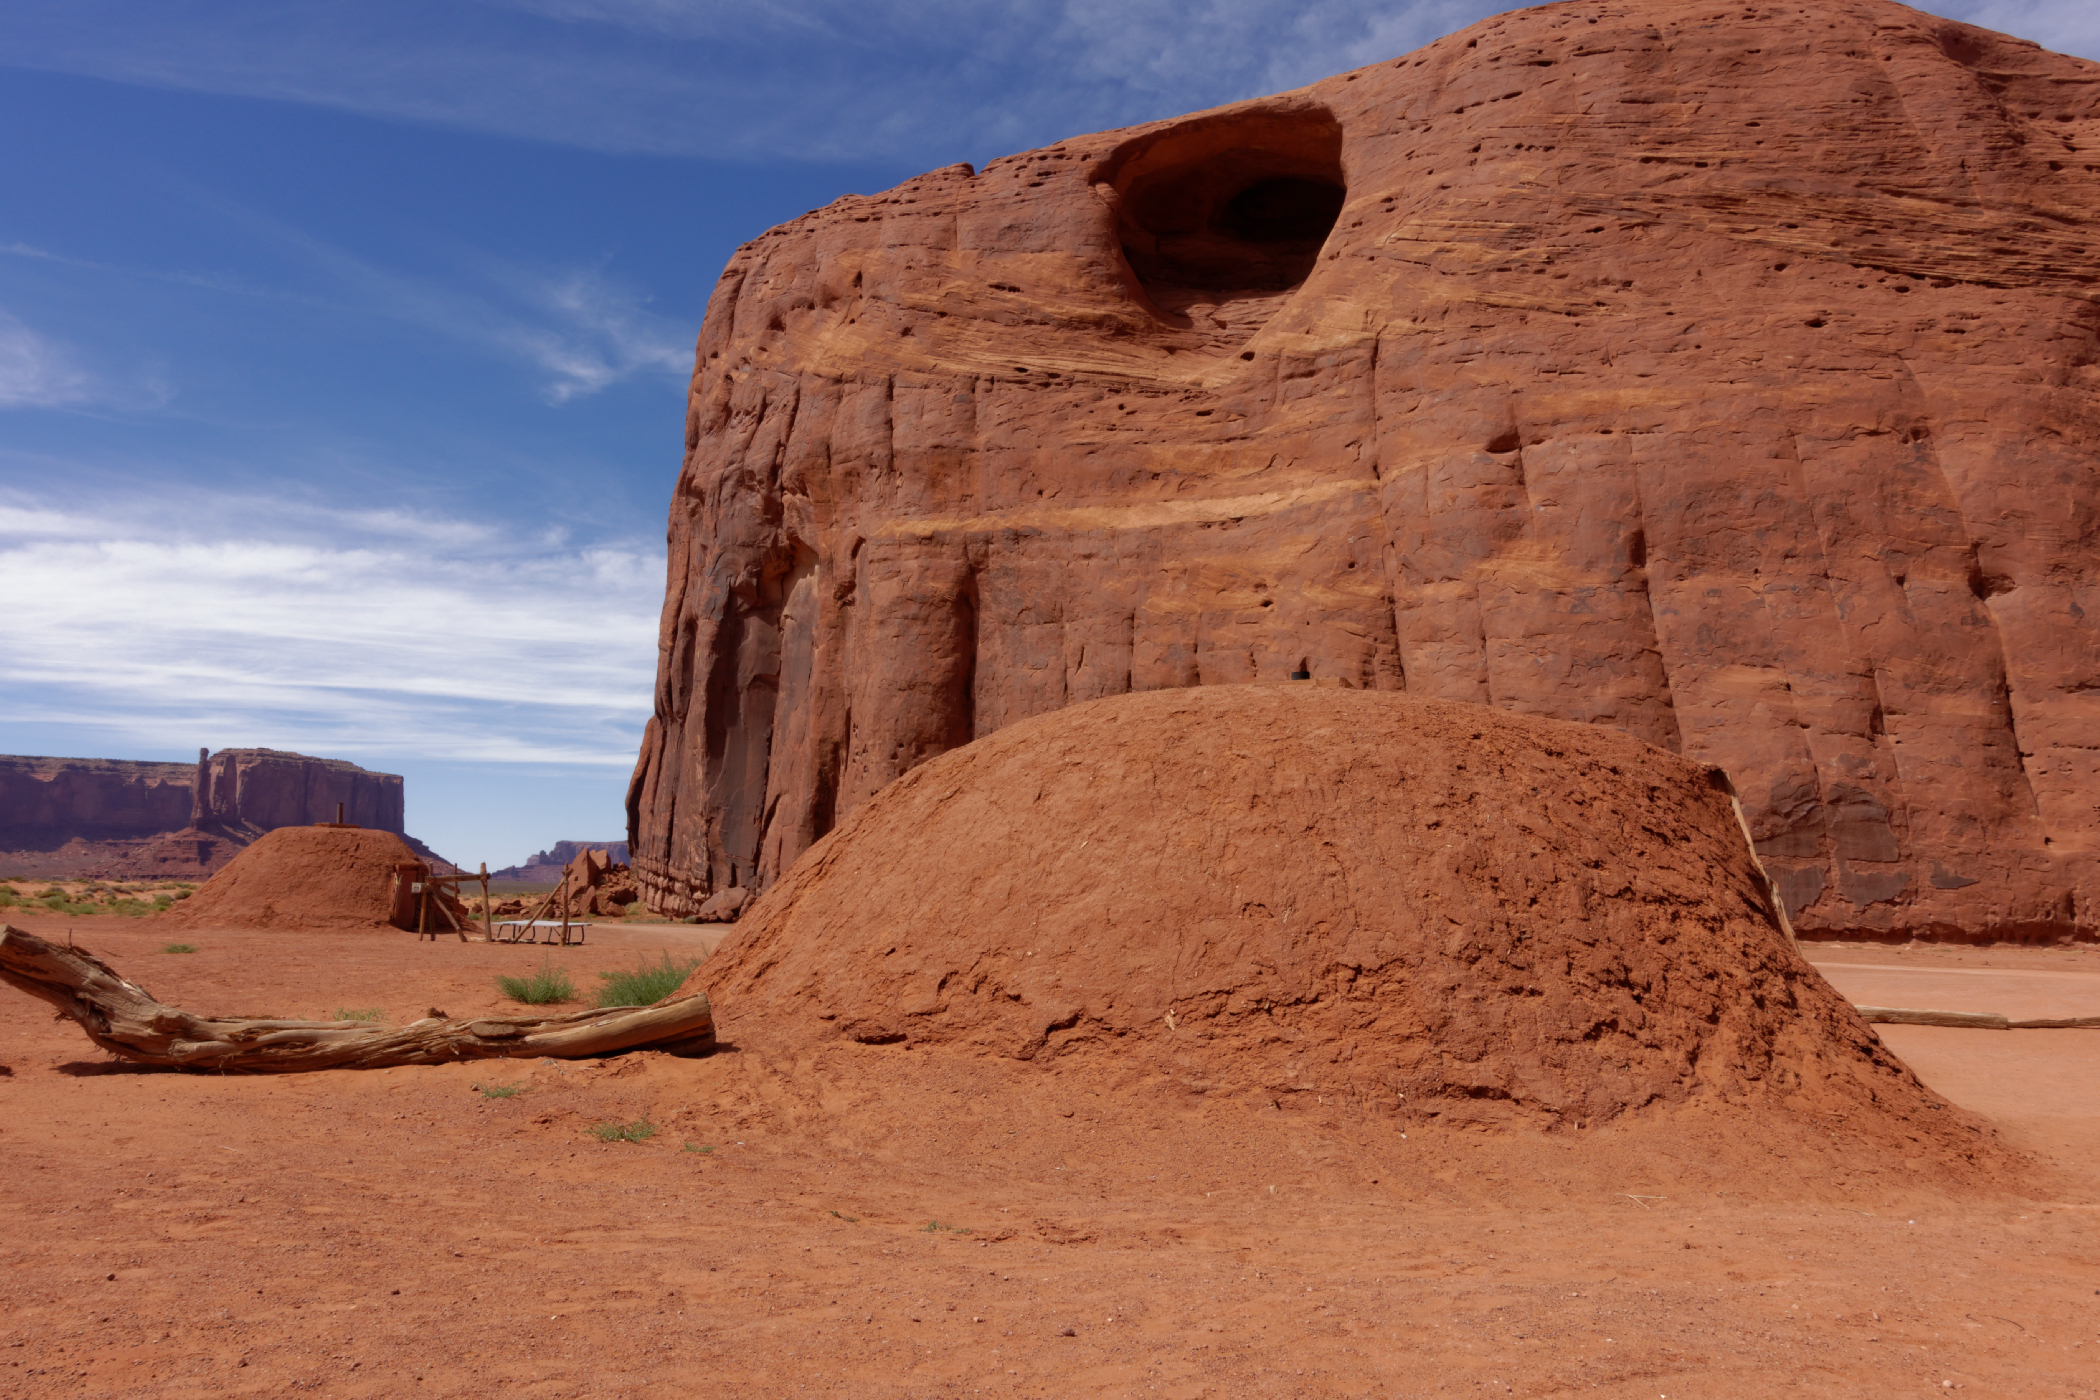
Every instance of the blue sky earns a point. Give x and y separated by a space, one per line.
343 342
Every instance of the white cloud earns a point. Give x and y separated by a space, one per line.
580 329
925 82
35 372
298 626
932 80
598 333
928 81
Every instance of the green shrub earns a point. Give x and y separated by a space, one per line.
544 987
370 1013
500 1091
54 892
647 983
180 948
640 1130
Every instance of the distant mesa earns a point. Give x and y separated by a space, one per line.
546 866
1722 376
119 819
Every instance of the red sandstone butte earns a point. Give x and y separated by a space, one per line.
1723 375
118 819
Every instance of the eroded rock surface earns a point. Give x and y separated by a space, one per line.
1726 376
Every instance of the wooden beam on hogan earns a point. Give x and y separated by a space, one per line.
124 1019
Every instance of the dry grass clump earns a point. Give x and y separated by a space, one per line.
543 987
646 984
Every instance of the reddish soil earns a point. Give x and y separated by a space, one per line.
396 1233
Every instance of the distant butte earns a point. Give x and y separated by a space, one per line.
1726 375
117 819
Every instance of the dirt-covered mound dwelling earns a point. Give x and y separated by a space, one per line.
1414 907
305 878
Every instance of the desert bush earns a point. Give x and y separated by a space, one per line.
53 892
370 1013
639 1131
649 982
543 987
180 948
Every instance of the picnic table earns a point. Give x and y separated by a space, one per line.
559 931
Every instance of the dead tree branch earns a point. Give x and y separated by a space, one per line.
124 1019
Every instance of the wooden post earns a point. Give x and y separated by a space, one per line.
488 910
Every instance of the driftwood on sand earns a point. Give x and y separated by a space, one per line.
124 1019
1974 1020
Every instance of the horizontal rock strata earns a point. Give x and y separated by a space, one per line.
61 816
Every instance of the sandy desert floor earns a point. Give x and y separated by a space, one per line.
1005 1231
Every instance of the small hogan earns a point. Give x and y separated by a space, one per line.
305 878
1296 893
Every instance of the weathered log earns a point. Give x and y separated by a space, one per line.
1974 1020
1903 1016
124 1019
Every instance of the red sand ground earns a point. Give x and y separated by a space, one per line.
395 1233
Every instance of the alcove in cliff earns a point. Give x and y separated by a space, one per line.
1222 217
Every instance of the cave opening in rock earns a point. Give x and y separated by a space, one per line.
1282 209
1230 209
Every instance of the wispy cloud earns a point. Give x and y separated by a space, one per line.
929 80
597 333
578 328
301 626
36 372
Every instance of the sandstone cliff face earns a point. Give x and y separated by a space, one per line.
1727 376
95 795
61 816
268 788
